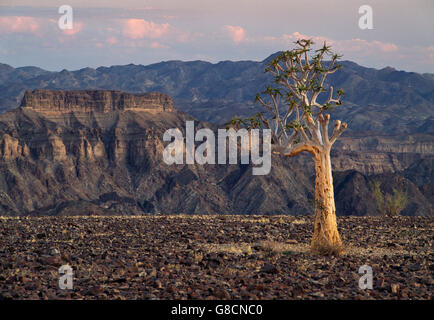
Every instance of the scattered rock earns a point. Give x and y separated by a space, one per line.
158 284
318 294
269 268
54 252
152 273
394 287
149 260
380 283
221 294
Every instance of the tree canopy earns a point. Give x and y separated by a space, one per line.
294 109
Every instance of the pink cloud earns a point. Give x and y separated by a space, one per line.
419 55
238 34
385 46
76 28
157 45
186 37
183 37
297 36
112 40
362 51
139 28
364 46
356 45
12 24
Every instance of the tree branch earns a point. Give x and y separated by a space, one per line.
337 131
324 121
313 129
296 149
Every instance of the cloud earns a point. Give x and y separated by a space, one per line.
297 36
139 28
238 34
183 37
14 24
352 46
386 47
374 53
112 40
157 45
420 56
76 28
364 46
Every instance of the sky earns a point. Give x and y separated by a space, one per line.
106 33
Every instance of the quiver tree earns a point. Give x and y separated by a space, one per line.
295 112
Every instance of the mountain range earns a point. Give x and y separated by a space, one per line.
383 101
102 154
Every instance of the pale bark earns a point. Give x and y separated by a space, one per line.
326 237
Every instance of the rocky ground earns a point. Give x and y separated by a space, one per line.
212 257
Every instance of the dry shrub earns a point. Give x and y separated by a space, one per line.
256 219
389 204
328 250
298 221
234 248
273 247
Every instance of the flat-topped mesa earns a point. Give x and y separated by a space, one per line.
94 100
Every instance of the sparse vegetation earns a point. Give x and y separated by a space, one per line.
389 204
232 248
272 247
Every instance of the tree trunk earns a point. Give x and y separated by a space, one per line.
326 239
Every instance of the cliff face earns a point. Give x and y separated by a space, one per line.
100 152
376 154
93 101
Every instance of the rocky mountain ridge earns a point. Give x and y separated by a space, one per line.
108 160
390 113
384 102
